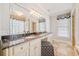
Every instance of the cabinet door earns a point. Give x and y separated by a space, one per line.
32 51
18 50
35 48
32 48
26 48
37 51
8 51
21 50
38 48
5 52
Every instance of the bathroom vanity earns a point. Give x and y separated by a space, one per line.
24 46
22 32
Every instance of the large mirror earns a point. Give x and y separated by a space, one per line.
19 22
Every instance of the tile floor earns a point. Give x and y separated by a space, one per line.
63 49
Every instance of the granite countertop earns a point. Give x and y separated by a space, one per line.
23 40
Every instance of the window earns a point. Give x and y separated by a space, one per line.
16 27
21 27
63 27
42 26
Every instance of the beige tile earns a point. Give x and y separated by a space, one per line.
63 49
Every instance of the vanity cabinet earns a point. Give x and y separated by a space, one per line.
35 47
17 50
28 48
21 49
7 51
32 48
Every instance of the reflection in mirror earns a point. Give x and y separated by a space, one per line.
18 23
17 15
27 25
16 26
42 25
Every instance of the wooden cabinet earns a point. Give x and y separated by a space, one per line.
35 48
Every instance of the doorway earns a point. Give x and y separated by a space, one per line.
33 26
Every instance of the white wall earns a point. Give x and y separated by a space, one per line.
77 23
4 19
53 25
0 19
48 24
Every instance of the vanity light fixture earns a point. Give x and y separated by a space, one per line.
63 16
18 13
34 13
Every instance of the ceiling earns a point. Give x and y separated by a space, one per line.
56 7
49 8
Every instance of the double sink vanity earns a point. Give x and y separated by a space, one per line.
27 45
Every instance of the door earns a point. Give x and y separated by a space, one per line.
33 27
